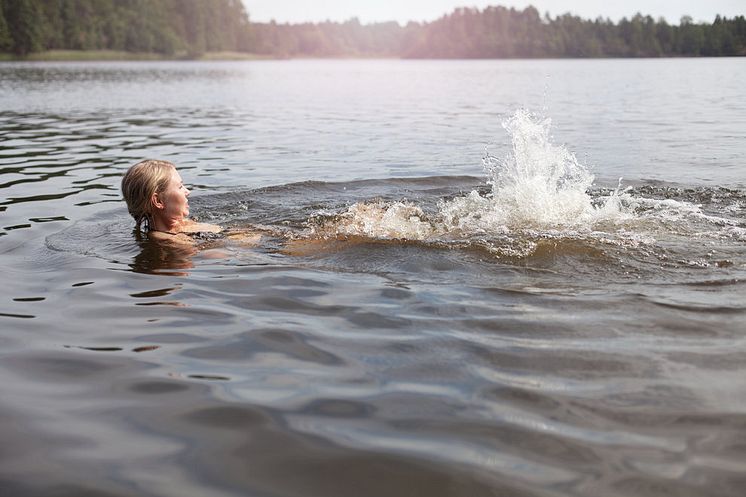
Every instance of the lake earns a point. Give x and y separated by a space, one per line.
476 278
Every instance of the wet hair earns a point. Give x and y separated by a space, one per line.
139 184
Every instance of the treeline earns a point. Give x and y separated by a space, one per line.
160 26
193 27
499 32
331 39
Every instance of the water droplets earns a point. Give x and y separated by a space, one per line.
539 185
377 220
540 201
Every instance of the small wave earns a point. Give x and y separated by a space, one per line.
539 185
536 206
377 220
540 196
99 236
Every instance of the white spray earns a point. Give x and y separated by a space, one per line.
538 186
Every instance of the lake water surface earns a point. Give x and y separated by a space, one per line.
455 293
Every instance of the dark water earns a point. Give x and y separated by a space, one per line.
411 323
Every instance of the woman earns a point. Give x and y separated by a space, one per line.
158 200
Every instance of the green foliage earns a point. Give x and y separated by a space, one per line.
500 32
157 26
6 40
22 18
194 27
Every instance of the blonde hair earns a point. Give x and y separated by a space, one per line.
139 184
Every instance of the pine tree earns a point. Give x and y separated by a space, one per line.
6 40
25 22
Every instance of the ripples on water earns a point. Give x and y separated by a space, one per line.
528 332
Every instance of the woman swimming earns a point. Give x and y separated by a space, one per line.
159 202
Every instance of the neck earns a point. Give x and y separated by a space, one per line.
167 225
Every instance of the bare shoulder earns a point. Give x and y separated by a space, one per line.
175 238
195 227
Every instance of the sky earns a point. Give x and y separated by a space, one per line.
368 11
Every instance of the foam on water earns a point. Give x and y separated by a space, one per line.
538 201
378 220
539 195
538 186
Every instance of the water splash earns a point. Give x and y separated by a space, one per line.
538 185
375 220
541 203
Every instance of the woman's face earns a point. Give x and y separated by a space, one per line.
174 199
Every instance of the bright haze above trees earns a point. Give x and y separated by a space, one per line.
188 28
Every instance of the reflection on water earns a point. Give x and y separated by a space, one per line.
162 257
406 325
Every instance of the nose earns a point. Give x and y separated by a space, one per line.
187 191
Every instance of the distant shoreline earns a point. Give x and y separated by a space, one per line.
62 30
115 55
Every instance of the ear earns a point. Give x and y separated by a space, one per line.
156 201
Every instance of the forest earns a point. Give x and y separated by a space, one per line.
190 28
159 26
